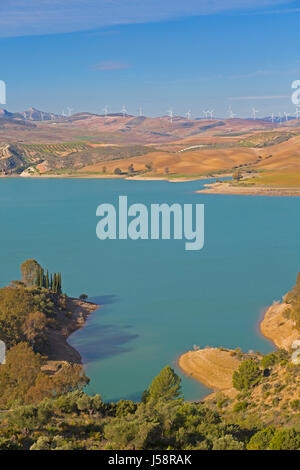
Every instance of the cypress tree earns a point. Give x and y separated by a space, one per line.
54 283
47 280
59 283
51 282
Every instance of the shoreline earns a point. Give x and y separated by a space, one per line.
227 188
276 327
216 188
214 367
175 179
60 350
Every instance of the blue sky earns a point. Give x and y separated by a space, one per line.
192 54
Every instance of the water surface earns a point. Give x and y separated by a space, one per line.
158 299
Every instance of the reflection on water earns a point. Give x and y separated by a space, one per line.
101 341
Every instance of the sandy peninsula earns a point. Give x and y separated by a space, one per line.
213 367
229 188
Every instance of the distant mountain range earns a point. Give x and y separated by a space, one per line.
31 114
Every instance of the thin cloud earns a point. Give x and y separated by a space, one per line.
282 11
257 73
103 33
264 97
111 65
36 17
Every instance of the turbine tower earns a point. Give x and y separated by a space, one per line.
188 114
140 111
124 111
272 117
206 113
231 113
297 113
69 111
105 110
254 113
170 112
211 114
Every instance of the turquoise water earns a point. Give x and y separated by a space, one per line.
158 299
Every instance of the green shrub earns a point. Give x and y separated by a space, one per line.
248 375
240 406
286 439
261 440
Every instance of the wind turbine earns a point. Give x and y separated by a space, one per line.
231 113
286 116
105 110
124 111
69 111
170 112
206 113
272 117
188 114
140 111
297 113
254 112
63 113
211 114
280 117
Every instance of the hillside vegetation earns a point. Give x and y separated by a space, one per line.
44 406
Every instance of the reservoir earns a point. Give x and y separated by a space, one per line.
158 300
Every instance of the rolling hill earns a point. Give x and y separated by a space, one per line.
39 143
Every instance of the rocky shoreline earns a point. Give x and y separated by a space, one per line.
60 351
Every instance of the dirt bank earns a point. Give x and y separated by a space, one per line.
279 329
77 313
227 188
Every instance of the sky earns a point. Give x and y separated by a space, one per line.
156 54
